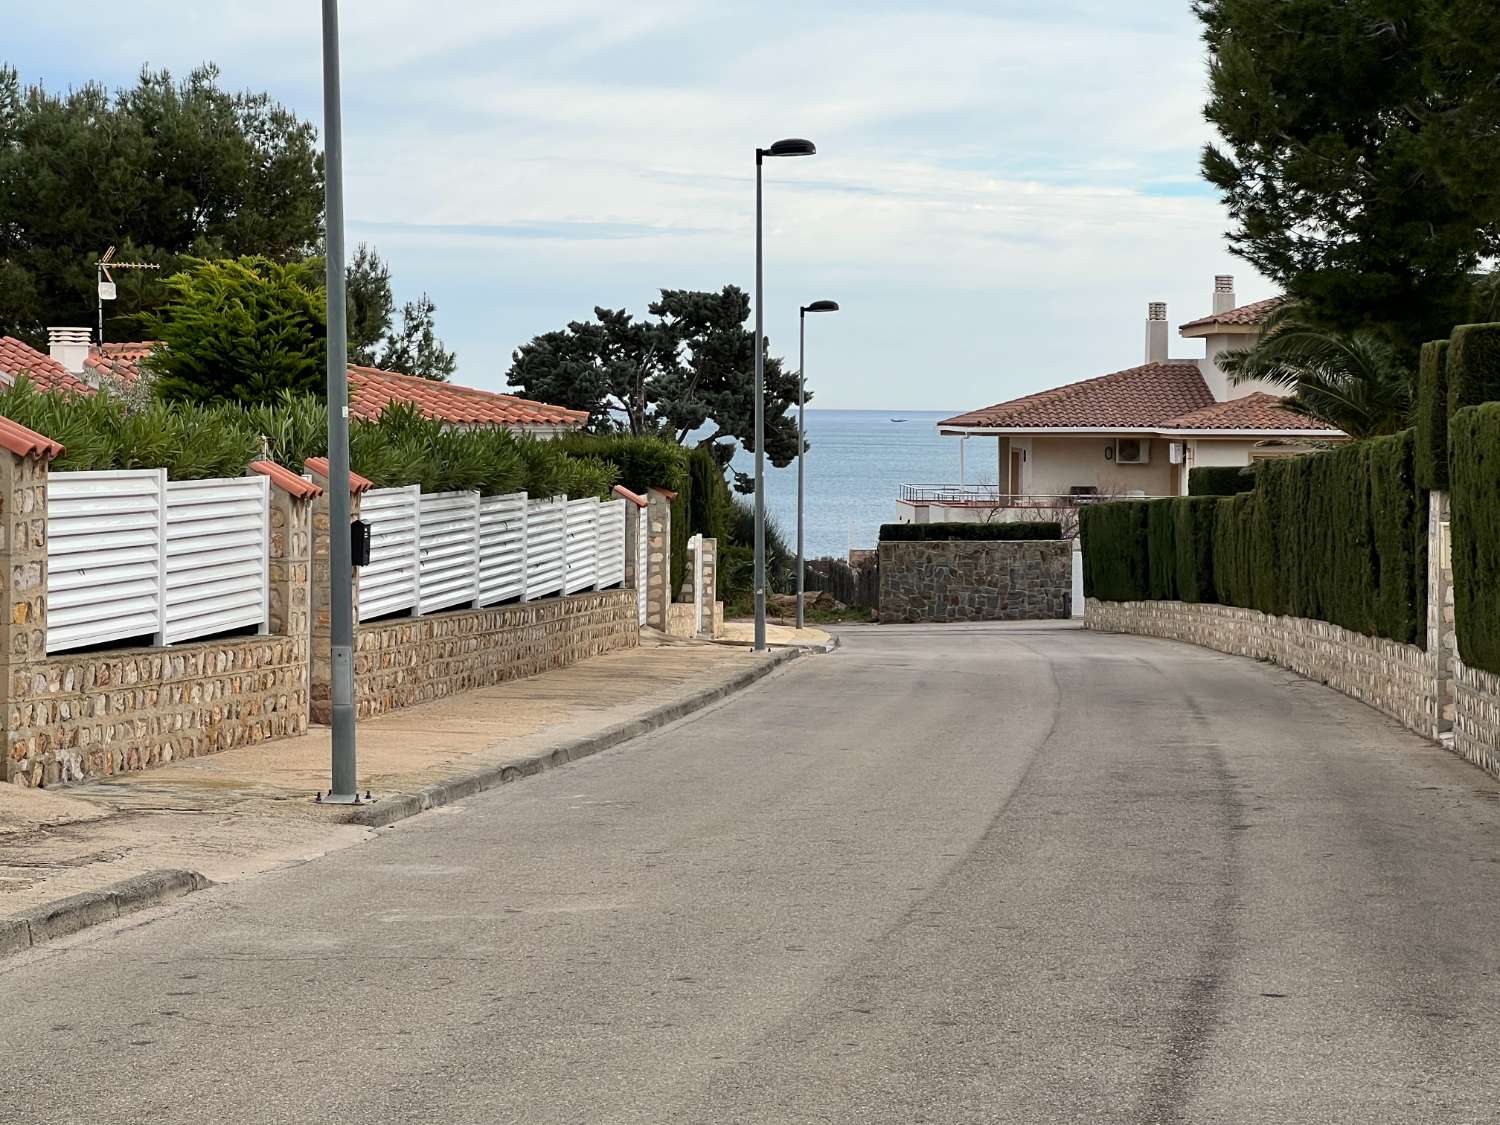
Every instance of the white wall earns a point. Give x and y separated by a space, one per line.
1217 380
1058 462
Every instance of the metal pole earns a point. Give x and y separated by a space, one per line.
340 571
801 447
99 300
760 423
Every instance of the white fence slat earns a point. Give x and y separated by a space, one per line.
217 556
388 583
449 530
612 517
583 546
502 548
104 556
546 546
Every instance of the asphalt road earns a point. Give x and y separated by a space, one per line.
951 875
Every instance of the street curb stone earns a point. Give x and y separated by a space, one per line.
78 912
388 810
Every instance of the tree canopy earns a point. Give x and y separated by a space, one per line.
1361 153
375 340
162 169
687 372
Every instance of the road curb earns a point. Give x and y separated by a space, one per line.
67 916
388 810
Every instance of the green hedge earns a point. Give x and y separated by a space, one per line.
1220 480
1338 536
1473 366
937 532
1432 416
1474 440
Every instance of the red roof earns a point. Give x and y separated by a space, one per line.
1258 411
27 443
17 358
1137 397
357 483
122 360
371 390
1246 316
286 480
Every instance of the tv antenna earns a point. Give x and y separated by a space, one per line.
106 283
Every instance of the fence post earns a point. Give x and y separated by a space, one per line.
525 545
416 547
161 559
695 548
599 511
265 597
659 557
474 531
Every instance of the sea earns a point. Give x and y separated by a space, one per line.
856 465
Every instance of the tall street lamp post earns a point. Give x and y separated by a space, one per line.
791 147
344 788
815 307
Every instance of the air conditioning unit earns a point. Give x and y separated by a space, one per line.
1133 451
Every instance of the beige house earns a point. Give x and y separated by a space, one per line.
1133 432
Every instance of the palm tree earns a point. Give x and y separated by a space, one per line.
1357 381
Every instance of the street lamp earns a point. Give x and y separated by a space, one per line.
815 307
794 146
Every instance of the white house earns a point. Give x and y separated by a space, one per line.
1133 432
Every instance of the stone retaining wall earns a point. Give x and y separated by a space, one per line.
403 661
975 580
1476 716
1401 680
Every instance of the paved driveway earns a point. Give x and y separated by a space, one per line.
946 874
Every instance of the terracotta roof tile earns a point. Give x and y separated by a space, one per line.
122 360
27 443
357 483
1136 397
1258 411
286 480
17 358
371 390
1245 316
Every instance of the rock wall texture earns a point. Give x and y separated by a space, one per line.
407 660
1401 680
975 580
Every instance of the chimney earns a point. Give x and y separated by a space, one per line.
70 347
1156 332
1223 293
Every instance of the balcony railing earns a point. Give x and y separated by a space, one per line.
990 496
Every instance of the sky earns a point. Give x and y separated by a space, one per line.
1000 188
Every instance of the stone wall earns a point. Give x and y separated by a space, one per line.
1401 680
975 580
407 660
90 714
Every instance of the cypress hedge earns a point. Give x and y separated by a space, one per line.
1220 480
1432 416
938 532
1474 439
1473 366
1338 536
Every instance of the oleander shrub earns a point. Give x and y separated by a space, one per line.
1220 480
937 532
1432 416
1474 437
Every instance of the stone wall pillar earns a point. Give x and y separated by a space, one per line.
1442 635
633 508
23 605
659 557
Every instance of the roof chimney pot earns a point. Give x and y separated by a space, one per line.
70 347
1224 293
1156 332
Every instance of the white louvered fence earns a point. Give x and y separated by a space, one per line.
131 554
437 551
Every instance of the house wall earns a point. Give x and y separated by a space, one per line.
1057 462
1218 382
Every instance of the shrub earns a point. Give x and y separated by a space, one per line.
1474 436
1161 551
641 462
1194 519
937 532
1473 366
1116 562
1220 480
1432 416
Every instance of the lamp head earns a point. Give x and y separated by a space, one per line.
821 306
792 146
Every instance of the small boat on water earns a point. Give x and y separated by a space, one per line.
898 419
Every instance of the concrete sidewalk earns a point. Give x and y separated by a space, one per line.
243 811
